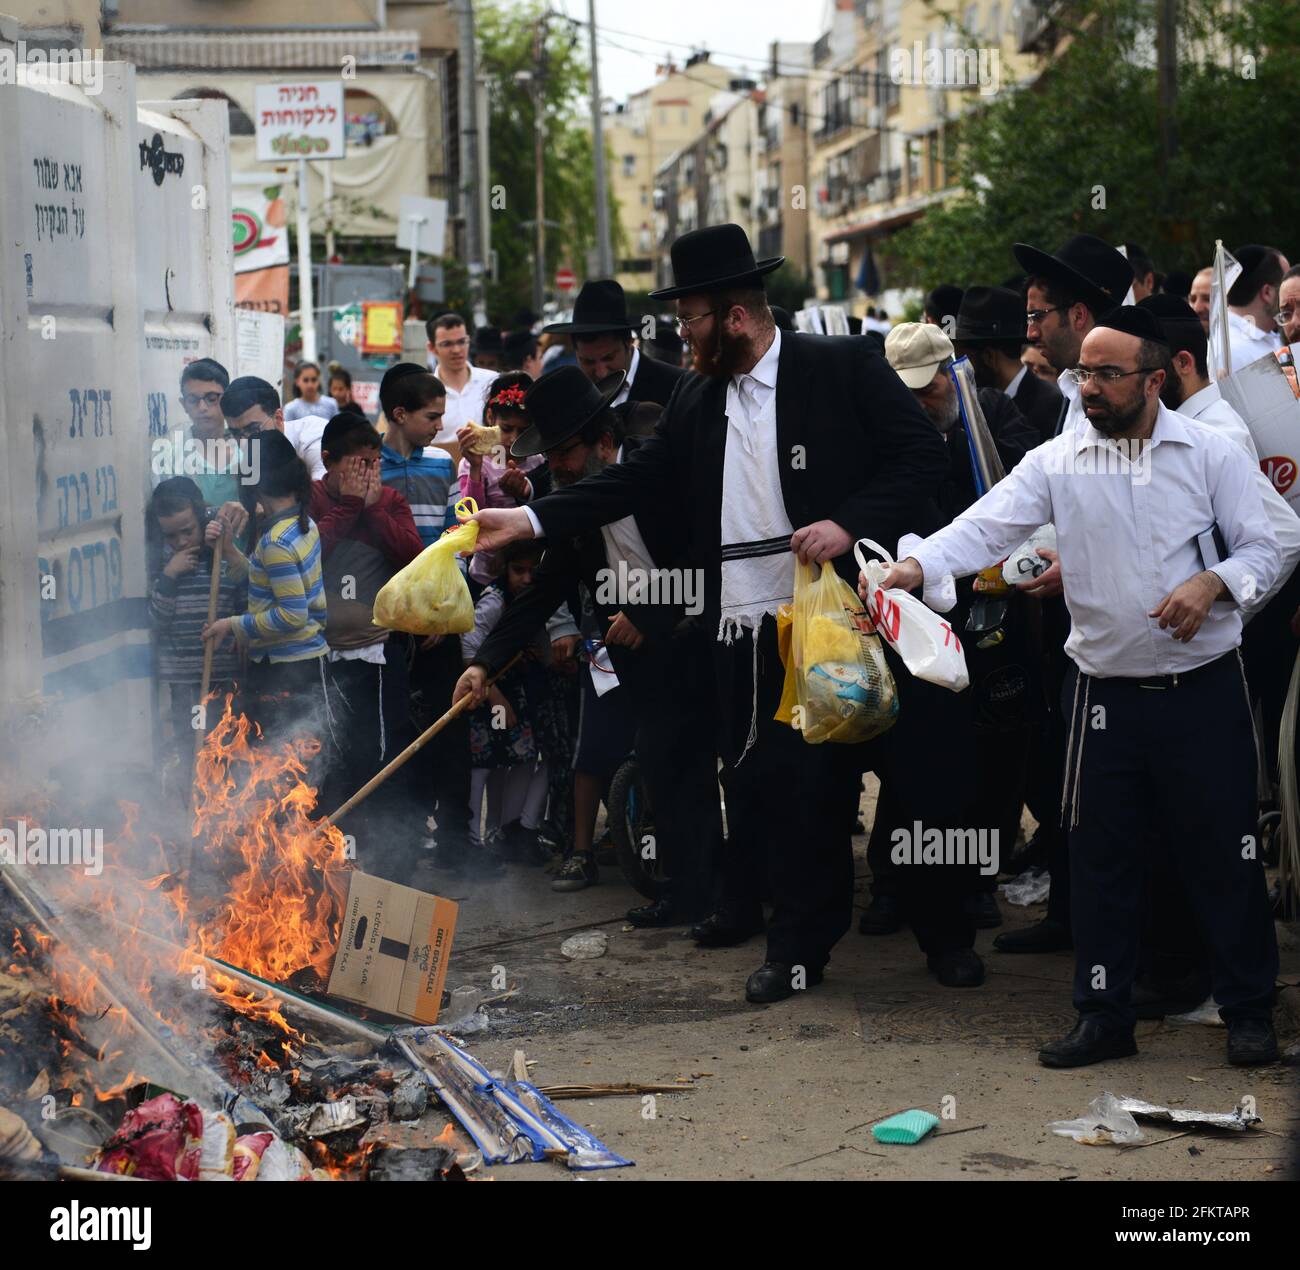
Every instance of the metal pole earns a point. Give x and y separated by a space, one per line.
327 177
467 202
539 170
416 222
484 175
306 309
604 253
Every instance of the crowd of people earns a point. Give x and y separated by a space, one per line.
1114 692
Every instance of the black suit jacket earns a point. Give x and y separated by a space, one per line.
856 449
654 381
1040 403
581 558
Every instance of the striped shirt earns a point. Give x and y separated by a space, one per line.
426 480
286 595
179 610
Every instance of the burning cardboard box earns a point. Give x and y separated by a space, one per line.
393 948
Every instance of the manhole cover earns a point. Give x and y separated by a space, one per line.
923 1018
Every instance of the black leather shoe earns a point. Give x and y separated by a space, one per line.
982 909
1044 936
960 968
660 913
723 930
1090 1042
774 981
1251 1042
883 916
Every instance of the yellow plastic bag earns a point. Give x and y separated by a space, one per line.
842 688
429 596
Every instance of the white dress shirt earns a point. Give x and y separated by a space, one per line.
623 392
1016 380
1127 538
466 406
1247 342
1208 408
623 540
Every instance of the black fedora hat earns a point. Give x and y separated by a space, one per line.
487 339
599 309
713 259
1094 269
990 315
560 405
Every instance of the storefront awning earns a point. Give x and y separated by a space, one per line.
258 50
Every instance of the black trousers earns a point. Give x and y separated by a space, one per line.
927 768
790 811
1046 762
1181 758
373 709
442 769
670 682
1269 649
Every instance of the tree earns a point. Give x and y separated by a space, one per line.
507 33
1078 150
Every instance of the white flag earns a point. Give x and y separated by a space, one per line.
1128 295
1226 271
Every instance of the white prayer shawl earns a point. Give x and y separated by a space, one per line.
757 563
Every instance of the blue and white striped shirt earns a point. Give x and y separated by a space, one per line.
428 482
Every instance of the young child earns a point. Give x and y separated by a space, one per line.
306 416
283 630
367 535
340 385
178 607
497 480
508 765
414 401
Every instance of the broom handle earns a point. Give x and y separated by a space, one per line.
418 744
209 647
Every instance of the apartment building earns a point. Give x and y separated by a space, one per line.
641 135
890 84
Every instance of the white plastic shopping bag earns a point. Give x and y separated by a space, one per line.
925 641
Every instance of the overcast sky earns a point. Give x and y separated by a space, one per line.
635 35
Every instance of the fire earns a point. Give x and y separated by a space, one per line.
252 806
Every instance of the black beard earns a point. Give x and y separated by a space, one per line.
593 467
730 353
1117 421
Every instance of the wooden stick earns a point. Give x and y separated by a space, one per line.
411 750
209 646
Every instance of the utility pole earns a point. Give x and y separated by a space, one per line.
1167 81
468 203
539 159
604 254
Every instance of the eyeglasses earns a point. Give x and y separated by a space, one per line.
1107 374
193 399
684 323
461 343
1034 317
1283 316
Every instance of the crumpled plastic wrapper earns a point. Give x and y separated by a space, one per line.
1105 1123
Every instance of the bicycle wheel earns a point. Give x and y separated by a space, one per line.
631 823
